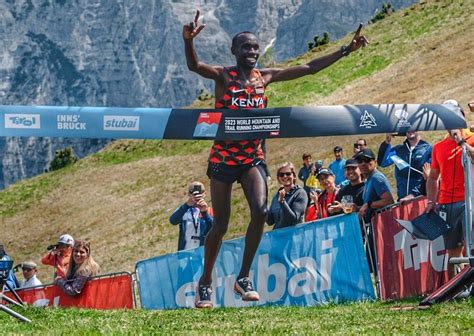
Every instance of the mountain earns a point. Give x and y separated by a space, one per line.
129 53
121 197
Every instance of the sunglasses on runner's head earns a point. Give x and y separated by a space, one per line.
285 174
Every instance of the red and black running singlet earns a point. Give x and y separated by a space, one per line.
237 95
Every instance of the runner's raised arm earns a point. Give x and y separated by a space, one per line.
190 31
312 67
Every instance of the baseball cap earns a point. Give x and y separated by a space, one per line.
338 149
29 264
324 171
451 102
365 153
454 103
66 239
351 163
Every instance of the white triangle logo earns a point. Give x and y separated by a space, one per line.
367 120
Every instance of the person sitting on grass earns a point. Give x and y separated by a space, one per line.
81 268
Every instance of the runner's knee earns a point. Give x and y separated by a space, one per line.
220 229
259 213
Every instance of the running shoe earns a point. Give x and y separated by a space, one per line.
203 297
244 288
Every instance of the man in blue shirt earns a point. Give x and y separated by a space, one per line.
408 173
194 218
377 192
337 166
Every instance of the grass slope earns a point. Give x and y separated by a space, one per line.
121 198
360 318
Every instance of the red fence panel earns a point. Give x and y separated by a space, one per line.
407 266
109 291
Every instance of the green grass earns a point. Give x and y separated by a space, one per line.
20 196
358 318
392 39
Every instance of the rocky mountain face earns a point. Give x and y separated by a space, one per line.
129 53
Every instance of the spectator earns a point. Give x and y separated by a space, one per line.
471 108
59 255
354 189
312 213
81 268
409 174
337 166
328 196
289 203
426 174
359 145
449 195
377 192
306 171
194 218
11 278
29 269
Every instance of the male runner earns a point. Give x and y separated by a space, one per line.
237 87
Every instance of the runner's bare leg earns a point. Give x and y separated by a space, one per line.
220 195
255 190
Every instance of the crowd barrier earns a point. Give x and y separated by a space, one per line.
319 262
106 291
407 266
309 264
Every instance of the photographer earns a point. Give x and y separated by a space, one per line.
194 218
59 255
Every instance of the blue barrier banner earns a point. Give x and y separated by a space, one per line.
309 264
225 124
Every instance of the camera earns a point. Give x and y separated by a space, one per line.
52 247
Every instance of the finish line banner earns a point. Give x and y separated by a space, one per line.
305 265
224 124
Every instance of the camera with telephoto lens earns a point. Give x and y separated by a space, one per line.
52 247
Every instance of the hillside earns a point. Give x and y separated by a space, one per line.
121 198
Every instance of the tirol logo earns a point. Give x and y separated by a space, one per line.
121 123
22 121
207 124
367 120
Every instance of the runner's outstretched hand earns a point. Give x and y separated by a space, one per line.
358 40
192 29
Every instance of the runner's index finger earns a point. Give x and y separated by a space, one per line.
196 18
358 30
